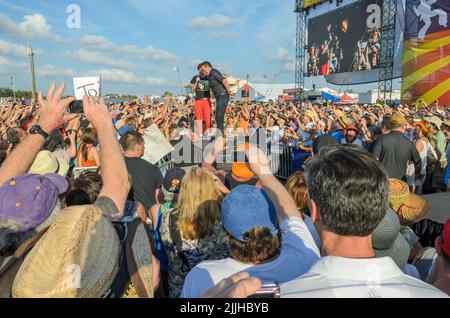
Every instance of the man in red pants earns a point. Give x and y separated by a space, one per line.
200 85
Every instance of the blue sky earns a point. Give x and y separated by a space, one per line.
135 44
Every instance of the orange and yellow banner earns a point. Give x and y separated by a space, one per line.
426 58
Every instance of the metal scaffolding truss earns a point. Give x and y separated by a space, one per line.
387 43
301 46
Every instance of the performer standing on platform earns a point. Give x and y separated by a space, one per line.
221 91
200 85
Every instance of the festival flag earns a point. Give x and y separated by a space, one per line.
426 58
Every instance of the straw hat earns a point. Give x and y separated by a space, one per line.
436 121
440 113
77 258
409 207
311 115
339 113
342 118
46 163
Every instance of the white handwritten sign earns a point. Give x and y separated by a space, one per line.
156 145
87 86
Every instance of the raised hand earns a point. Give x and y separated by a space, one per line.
96 111
53 110
258 161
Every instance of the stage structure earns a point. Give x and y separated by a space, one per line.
300 54
387 45
350 42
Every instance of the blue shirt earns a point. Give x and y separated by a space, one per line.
305 137
339 135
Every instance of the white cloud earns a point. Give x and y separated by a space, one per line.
98 58
225 35
8 66
289 67
126 77
279 56
53 71
99 42
259 79
195 63
214 21
225 68
34 25
156 81
284 58
12 49
149 52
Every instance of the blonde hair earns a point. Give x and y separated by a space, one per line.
297 188
199 204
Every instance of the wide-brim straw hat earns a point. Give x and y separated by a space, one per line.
342 118
409 207
311 115
78 257
436 121
46 163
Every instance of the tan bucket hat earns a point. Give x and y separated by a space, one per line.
78 257
436 121
342 118
46 163
409 207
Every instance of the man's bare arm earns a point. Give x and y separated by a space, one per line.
259 164
116 184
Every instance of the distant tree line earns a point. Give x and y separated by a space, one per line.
8 92
122 96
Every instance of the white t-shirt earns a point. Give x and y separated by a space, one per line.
299 252
337 277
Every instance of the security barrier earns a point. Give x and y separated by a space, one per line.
284 160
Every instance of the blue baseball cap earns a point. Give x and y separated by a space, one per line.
246 208
125 130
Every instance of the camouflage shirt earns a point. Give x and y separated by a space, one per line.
212 247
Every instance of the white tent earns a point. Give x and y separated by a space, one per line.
264 92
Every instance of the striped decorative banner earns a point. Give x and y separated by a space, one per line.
426 59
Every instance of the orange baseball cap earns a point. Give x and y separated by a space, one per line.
241 170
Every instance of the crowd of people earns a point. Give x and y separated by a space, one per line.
82 214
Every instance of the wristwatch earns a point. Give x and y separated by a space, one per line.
37 130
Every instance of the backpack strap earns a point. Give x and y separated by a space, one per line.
177 241
22 251
144 288
121 280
